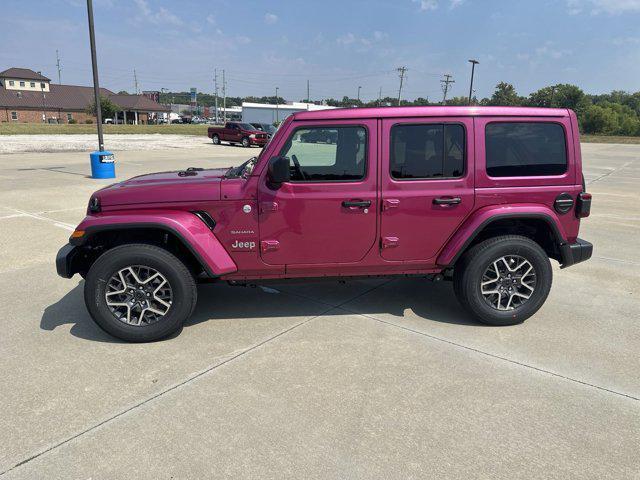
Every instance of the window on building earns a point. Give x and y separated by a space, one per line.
69 117
43 85
32 84
427 151
11 83
321 154
22 84
524 149
14 115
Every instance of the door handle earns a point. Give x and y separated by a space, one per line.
447 201
357 203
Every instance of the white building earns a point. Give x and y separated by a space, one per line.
266 113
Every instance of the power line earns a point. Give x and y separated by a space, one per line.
402 71
445 87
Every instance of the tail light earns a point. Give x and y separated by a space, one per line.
583 208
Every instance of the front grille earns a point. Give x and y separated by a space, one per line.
261 135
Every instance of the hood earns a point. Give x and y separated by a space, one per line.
164 187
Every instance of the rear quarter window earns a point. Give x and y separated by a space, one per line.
525 149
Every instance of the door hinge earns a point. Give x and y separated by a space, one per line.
388 203
269 245
390 242
268 207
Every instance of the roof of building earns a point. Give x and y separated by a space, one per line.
288 106
137 102
434 111
23 73
74 97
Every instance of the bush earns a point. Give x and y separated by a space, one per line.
88 121
73 121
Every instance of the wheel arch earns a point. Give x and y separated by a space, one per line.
193 243
539 227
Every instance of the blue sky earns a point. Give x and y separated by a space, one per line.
337 45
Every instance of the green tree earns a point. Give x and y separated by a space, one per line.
599 119
107 107
505 95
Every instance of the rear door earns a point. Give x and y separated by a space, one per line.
327 212
427 184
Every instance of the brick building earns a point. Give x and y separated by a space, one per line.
30 97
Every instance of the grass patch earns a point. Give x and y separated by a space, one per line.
609 139
44 129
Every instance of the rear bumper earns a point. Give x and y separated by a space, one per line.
64 260
577 252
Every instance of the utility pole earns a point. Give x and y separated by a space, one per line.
473 68
215 88
135 81
308 97
359 87
445 87
402 71
59 68
224 97
94 66
277 110
165 90
553 94
380 97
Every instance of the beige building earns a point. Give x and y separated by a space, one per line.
30 97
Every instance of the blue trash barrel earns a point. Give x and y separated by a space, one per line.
103 165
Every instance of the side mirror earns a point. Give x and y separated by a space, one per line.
278 171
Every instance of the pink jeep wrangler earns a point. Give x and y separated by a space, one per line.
482 196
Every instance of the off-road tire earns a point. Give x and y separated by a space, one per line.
182 283
469 271
215 139
246 143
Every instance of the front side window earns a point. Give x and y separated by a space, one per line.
525 149
14 115
427 151
319 154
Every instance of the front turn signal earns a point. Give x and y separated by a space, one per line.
77 234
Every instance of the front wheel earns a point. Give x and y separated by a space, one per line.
245 142
215 139
139 293
503 280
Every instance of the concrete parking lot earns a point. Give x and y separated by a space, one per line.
369 379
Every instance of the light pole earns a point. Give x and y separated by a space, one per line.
359 87
473 68
94 66
277 110
165 90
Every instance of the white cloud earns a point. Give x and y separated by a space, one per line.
270 18
160 17
426 5
211 20
595 7
351 39
346 39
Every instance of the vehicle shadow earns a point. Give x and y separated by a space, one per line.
433 302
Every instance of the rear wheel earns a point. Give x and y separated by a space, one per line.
215 139
503 280
245 142
139 293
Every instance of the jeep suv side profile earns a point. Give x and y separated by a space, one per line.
482 196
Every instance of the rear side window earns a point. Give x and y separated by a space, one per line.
525 149
320 154
427 151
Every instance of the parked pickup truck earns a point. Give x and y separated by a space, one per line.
482 196
234 132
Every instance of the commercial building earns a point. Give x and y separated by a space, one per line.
271 113
30 97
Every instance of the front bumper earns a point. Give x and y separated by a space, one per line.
64 260
577 252
259 141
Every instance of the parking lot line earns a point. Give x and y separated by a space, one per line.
21 213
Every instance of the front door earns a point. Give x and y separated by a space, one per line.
327 212
427 184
